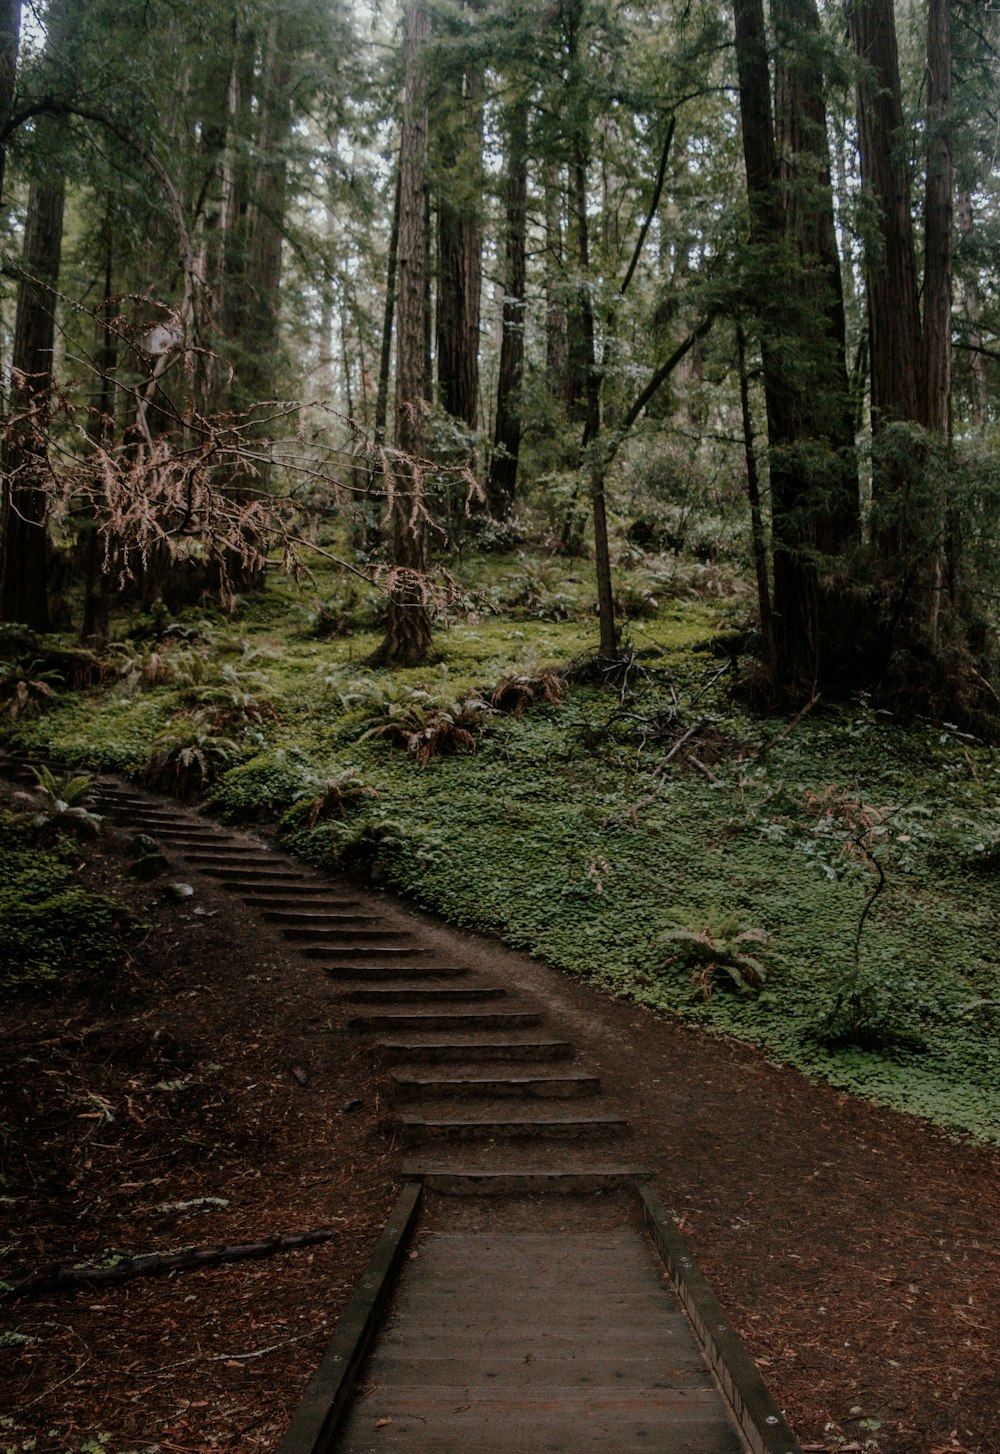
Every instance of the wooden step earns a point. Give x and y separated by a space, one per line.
255 879
323 899
375 951
176 835
318 917
444 1019
429 995
405 972
298 889
562 1086
237 857
511 1128
502 1047
501 1181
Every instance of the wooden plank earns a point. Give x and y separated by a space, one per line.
660 1367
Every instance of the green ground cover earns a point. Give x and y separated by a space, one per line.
567 832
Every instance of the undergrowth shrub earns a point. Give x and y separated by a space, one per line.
265 785
61 804
427 730
718 956
188 758
26 688
49 924
515 694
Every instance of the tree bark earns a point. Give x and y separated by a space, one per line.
501 488
893 303
938 221
10 33
388 315
809 225
795 609
408 631
24 585
460 246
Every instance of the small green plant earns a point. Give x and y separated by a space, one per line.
718 955
61 803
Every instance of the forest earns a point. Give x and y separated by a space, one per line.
539 459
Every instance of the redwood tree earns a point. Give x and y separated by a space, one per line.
502 483
408 630
814 508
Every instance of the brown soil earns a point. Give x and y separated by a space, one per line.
855 1250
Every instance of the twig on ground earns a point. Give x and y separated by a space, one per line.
234 1357
57 1275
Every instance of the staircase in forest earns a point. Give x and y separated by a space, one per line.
488 1097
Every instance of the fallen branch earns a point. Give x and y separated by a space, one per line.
790 728
707 771
55 1276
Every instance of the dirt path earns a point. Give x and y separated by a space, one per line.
855 1250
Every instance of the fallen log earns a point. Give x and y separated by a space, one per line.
55 1276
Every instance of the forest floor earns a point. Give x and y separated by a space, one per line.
209 1091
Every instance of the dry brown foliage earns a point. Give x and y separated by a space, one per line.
515 694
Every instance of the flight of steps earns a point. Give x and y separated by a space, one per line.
488 1098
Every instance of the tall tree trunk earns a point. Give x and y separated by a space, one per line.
460 246
893 303
501 487
813 475
807 198
385 360
756 513
979 388
408 631
591 457
795 601
10 34
96 602
270 200
938 220
24 584
556 357
237 213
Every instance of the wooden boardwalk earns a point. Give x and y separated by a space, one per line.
521 1342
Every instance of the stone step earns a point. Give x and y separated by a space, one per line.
558 1086
506 1127
443 1019
482 1048
426 995
519 1181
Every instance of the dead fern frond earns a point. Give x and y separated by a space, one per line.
515 694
